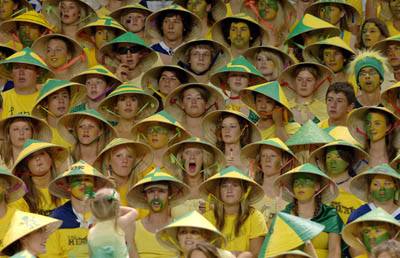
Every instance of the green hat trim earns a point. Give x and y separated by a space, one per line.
369 62
309 133
53 85
128 37
240 64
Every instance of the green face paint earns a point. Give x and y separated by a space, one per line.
334 163
81 186
330 13
373 235
383 194
375 124
157 129
156 205
395 8
198 7
23 38
303 180
267 9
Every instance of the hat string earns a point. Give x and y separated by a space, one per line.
144 107
20 11
285 113
150 86
166 236
178 134
105 108
387 133
187 67
108 90
393 103
359 164
17 186
67 65
46 110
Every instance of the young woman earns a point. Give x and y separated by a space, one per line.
270 61
192 161
372 31
308 189
232 192
190 103
28 231
267 160
305 86
235 76
186 232
341 160
127 105
68 15
374 127
88 132
37 164
15 131
230 131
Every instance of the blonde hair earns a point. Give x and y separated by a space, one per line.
5 153
276 59
83 12
105 205
5 184
392 247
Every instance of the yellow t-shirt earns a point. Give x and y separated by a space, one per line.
345 204
91 55
57 139
392 30
255 226
269 207
4 222
46 207
67 243
147 245
316 107
321 244
14 103
185 208
324 124
290 129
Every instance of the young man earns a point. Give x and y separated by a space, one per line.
391 48
157 192
340 100
27 71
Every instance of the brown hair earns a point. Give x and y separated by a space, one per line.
245 137
378 23
317 204
209 250
5 184
203 45
309 68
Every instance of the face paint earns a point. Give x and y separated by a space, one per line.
330 13
393 53
239 34
311 37
382 188
156 205
374 235
369 79
57 53
28 33
334 163
157 129
103 35
333 58
7 8
267 9
395 8
370 34
303 186
375 124
81 186
198 7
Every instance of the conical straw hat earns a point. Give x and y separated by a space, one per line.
309 133
17 189
313 52
382 45
218 8
117 14
288 232
96 70
24 223
342 133
389 97
136 195
168 235
250 54
284 183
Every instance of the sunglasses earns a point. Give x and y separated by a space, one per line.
133 49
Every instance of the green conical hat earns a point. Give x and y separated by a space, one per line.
143 155
251 55
326 78
218 8
359 184
293 253
351 232
23 254
150 78
313 52
211 120
181 55
149 104
253 192
311 23
169 157
309 133
96 70
41 128
104 21
163 117
59 154
66 125
218 35
382 45
168 235
136 195
284 183
269 89
155 32
351 13
59 185
77 93
249 152
390 95
317 157
79 61
146 62
117 14
25 223
240 64
356 121
25 56
173 102
342 133
16 189
288 232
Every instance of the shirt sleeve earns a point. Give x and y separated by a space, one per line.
257 224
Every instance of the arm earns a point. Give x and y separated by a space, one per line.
255 245
280 131
335 247
126 222
371 9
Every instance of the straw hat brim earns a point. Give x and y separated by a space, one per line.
17 189
222 77
312 52
218 9
81 77
391 93
209 124
43 131
287 81
352 15
117 14
173 101
144 155
223 59
250 54
287 180
40 47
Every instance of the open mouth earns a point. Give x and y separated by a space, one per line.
192 167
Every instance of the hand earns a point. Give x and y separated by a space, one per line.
202 207
122 72
277 116
112 179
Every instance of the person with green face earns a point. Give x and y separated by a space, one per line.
340 160
372 31
370 230
389 14
308 189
